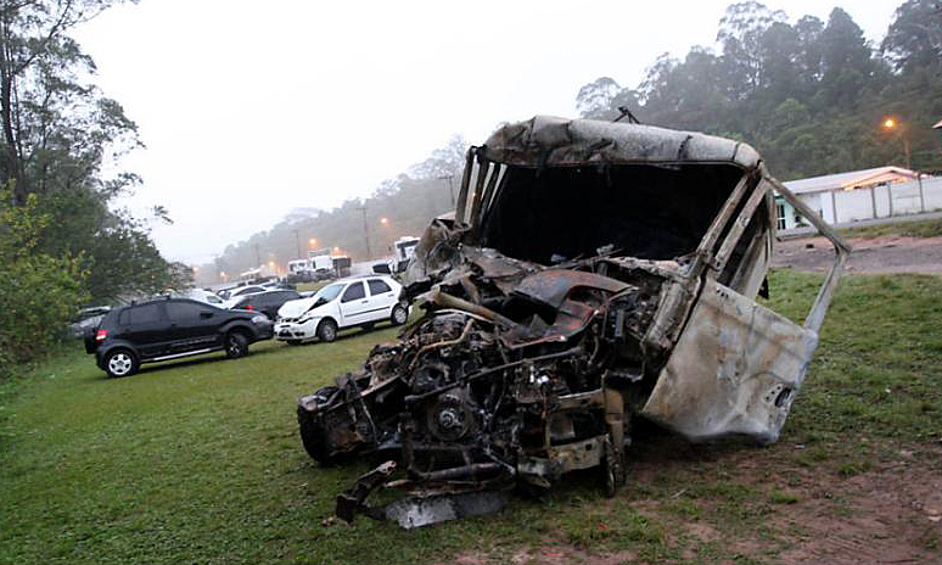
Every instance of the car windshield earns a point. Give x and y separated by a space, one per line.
328 293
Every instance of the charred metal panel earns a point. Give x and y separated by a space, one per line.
735 370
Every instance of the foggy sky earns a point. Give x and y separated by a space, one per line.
251 109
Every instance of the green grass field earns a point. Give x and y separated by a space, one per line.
199 461
919 228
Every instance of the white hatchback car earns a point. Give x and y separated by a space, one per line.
360 301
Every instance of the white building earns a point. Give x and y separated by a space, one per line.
862 195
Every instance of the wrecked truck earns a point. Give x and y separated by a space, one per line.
592 273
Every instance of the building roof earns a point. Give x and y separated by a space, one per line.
850 179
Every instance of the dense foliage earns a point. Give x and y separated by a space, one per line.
810 95
58 137
40 290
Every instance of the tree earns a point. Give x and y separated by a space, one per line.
595 99
447 160
914 39
740 34
41 291
847 61
58 134
54 128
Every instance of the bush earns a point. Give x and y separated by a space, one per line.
40 293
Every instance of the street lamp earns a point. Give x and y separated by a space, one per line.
312 242
891 124
384 221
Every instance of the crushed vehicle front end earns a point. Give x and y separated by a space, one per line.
591 273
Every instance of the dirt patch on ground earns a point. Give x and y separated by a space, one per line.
793 514
891 513
879 255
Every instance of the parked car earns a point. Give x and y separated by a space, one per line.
360 301
229 294
87 318
241 292
267 302
207 296
168 328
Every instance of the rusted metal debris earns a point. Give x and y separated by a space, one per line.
592 273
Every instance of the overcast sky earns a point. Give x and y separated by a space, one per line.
250 109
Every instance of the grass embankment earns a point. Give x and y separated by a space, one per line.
919 228
199 462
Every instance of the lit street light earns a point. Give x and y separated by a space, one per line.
384 221
890 124
312 242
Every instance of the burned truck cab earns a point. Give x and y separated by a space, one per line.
592 272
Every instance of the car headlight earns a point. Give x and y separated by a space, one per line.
260 319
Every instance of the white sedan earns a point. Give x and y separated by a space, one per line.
361 301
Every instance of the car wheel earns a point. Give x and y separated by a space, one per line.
314 436
236 345
327 330
399 315
120 363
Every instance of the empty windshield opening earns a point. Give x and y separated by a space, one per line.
641 210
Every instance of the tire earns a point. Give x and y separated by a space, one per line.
399 315
121 363
237 345
313 435
327 330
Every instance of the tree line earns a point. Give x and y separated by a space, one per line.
811 96
62 242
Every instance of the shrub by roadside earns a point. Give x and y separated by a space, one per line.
40 291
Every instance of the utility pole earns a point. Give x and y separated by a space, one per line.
366 232
451 189
297 241
258 258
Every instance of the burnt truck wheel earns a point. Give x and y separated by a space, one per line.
327 330
237 345
399 315
120 363
313 434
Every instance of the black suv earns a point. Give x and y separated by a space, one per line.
168 328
